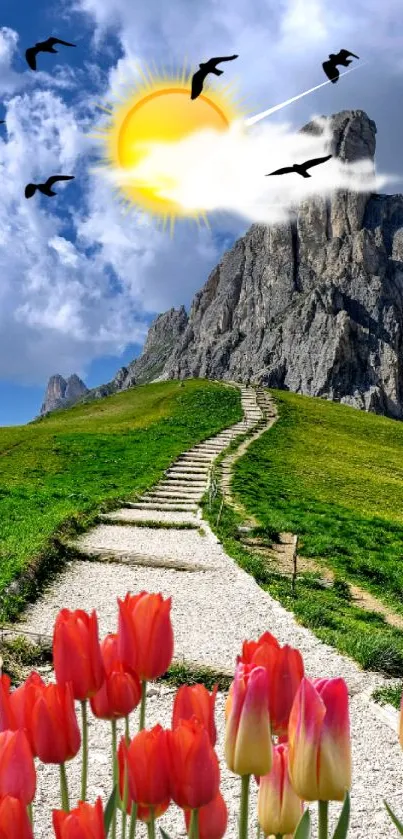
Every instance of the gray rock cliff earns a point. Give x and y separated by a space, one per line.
314 305
61 392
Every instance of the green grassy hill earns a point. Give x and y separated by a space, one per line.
334 476
57 472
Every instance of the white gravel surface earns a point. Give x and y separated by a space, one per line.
213 611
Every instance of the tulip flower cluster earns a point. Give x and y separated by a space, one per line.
290 733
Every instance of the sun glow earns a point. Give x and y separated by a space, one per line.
159 110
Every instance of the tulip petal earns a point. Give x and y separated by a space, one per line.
304 729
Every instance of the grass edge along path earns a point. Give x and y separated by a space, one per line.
221 407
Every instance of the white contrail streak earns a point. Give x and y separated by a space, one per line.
258 117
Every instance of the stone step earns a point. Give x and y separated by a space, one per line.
165 506
130 515
201 473
180 489
145 560
182 483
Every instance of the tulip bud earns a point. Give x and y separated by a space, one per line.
7 717
285 670
22 701
319 741
193 765
54 728
195 700
17 768
279 808
213 819
76 652
146 762
14 821
145 636
121 690
248 744
84 822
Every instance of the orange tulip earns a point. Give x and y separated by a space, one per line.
84 822
213 819
285 668
54 728
14 821
22 702
195 700
145 637
193 765
76 652
121 690
279 808
146 760
17 768
7 718
248 744
319 741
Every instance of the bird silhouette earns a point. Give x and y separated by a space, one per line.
301 168
340 58
206 68
43 46
46 188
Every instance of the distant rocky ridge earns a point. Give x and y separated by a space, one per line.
60 392
314 305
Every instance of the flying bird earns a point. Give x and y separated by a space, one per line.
46 188
43 46
301 168
206 68
340 58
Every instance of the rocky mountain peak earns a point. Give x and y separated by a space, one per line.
61 392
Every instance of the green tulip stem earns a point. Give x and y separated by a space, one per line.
115 772
30 814
84 771
323 813
133 821
243 816
194 825
151 825
143 705
125 784
64 790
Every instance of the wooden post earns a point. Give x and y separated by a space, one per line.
294 565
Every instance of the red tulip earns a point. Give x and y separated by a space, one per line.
248 743
17 768
195 700
193 765
76 652
84 822
14 821
121 690
146 760
319 741
7 718
54 728
285 668
22 702
213 819
279 808
145 637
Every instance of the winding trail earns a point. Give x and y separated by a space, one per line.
215 606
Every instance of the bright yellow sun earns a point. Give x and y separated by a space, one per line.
160 110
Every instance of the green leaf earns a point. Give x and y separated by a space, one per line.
344 819
109 809
303 830
394 818
163 834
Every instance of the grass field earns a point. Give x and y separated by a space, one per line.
56 473
334 476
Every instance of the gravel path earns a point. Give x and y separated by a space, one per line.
213 610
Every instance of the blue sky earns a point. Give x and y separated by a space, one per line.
79 281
